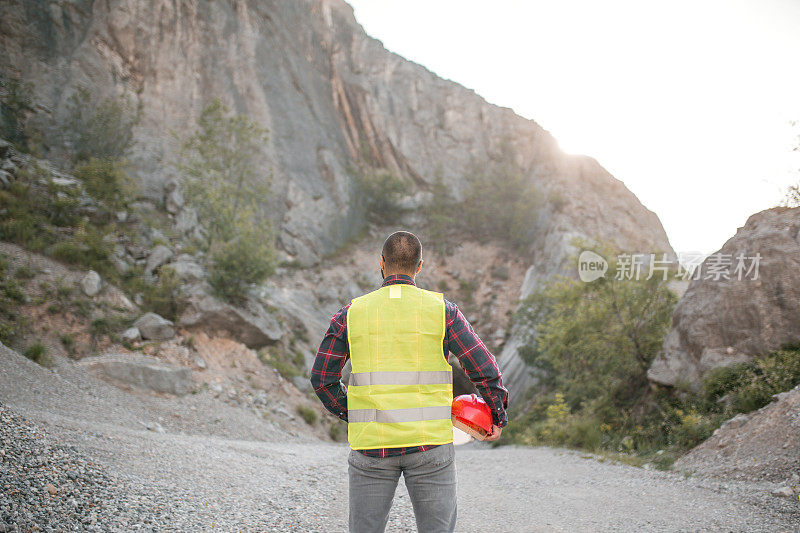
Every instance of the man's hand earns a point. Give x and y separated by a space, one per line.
495 434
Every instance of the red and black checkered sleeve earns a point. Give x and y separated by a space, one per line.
326 375
477 361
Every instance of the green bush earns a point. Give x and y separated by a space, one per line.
88 248
68 342
749 386
501 204
24 272
37 352
165 297
378 193
288 364
12 325
338 431
105 180
308 414
16 103
247 259
100 129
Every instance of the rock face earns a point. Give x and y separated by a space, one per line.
142 372
154 327
250 324
331 96
719 322
159 256
758 446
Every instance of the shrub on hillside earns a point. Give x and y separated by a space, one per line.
12 324
16 102
235 265
749 386
308 414
37 352
106 180
501 203
378 193
101 129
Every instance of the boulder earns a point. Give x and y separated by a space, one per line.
187 268
173 198
141 372
131 335
154 327
719 322
186 220
5 148
91 283
159 256
250 324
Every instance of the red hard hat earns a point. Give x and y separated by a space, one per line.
471 415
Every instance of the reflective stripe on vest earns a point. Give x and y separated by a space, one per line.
400 388
430 377
411 414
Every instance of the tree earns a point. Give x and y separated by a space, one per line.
100 130
223 181
597 339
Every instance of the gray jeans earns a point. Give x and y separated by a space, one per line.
430 477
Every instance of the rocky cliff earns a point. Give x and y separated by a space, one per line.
331 96
722 320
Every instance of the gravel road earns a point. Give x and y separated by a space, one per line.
108 474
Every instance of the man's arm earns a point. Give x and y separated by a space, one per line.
478 363
326 375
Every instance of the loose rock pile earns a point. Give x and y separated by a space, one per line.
48 486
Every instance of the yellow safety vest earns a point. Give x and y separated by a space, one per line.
401 386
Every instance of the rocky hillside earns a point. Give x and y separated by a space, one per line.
722 320
333 98
761 445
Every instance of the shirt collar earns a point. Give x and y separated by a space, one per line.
396 279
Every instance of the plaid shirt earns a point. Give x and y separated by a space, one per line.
460 339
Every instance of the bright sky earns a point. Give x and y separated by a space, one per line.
689 103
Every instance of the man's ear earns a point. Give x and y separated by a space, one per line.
382 262
419 266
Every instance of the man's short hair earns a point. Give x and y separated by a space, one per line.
402 251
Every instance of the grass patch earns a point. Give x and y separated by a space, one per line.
68 342
12 323
24 272
37 352
289 364
308 414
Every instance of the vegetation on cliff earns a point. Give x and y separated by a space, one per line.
591 344
224 182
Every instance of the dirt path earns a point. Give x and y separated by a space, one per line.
199 481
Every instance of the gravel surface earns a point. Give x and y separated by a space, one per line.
128 478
